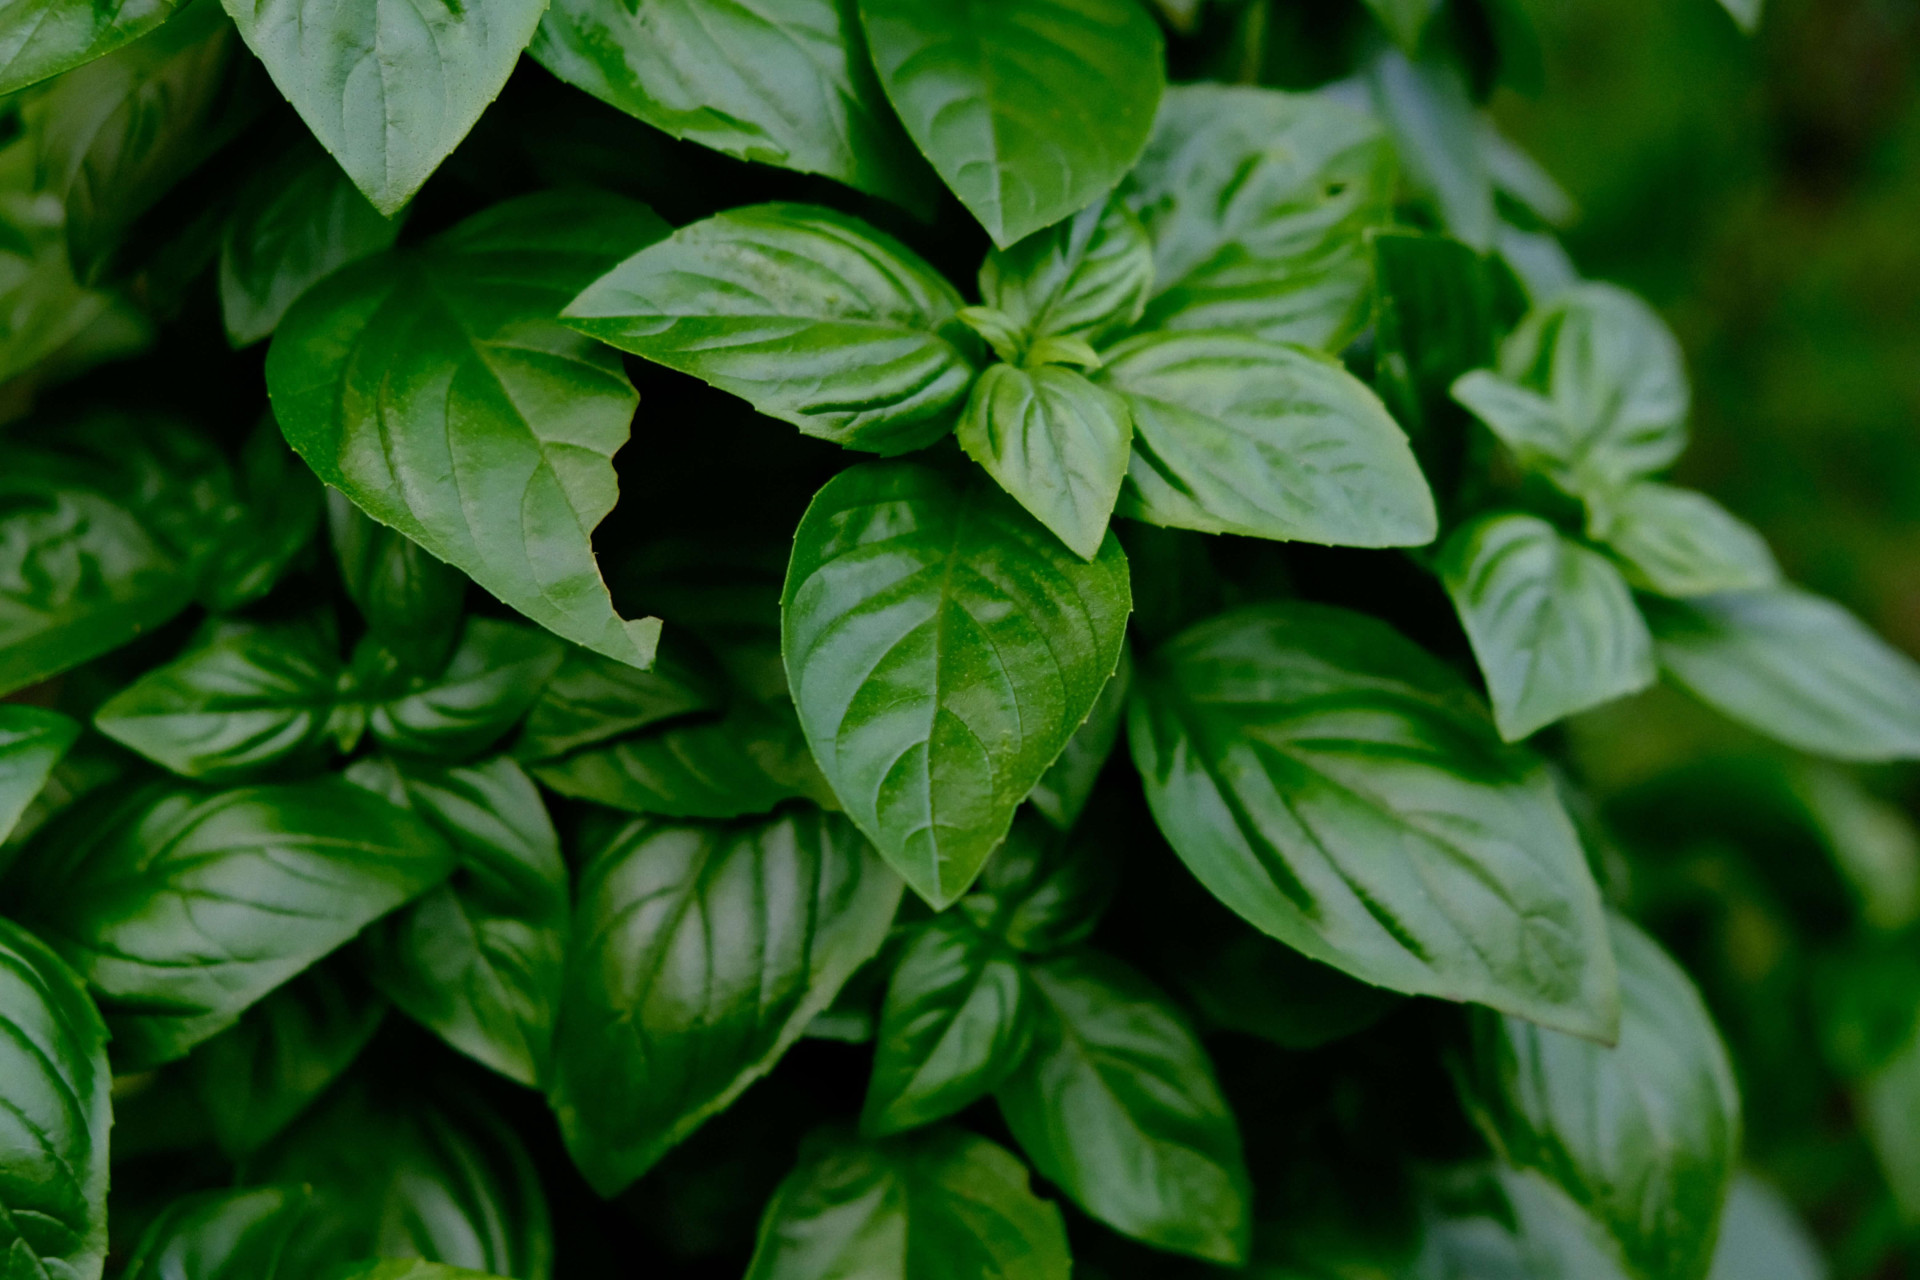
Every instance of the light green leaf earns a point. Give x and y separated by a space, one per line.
1645 1135
1553 624
297 220
411 601
181 909
1030 111
1888 1106
1429 107
242 699
389 87
952 1027
941 1205
1681 543
1056 442
1745 12
811 316
479 960
942 648
786 83
221 1235
1796 667
1343 791
1236 434
32 740
493 677
1088 277
54 1115
1062 793
1762 1238
699 954
435 389
1116 1102
1257 203
45 37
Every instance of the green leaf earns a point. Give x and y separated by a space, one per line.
242 699
32 740
414 1172
1433 319
786 84
1874 844
1063 791
257 1076
1796 667
45 37
1117 1104
54 1116
1029 111
941 1205
435 389
1888 1102
100 529
699 954
1088 277
942 648
389 87
495 674
1043 890
952 1027
221 1235
1762 1238
811 316
408 1271
1056 442
181 909
480 959
1428 105
1745 12
1520 1226
410 600
1404 20
1244 981
746 762
276 509
1236 434
1257 203
1553 624
1644 1135
1343 791
592 699
1591 390
298 220
1681 543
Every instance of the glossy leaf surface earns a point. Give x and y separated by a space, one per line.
1344 792
493 676
435 388
32 740
1681 543
220 1235
1029 112
809 315
47 37
411 602
699 954
1087 277
942 648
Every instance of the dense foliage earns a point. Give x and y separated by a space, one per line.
945 626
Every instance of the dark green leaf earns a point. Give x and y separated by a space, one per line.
942 1205
1644 1135
1043 890
942 648
1428 105
1063 791
787 84
390 87
699 954
1405 20
493 677
298 220
410 600
221 1235
1591 390
1433 319
592 699
1088 277
409 1175
1257 203
1874 844
277 507
1029 111
1343 791
32 740
1116 1103
1236 434
257 1076
952 1028
434 388
181 909
1796 667
1681 543
407 1271
1056 442
480 959
1520 1226
54 1116
1245 981
244 697
1888 1103
811 316
45 37
1553 624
